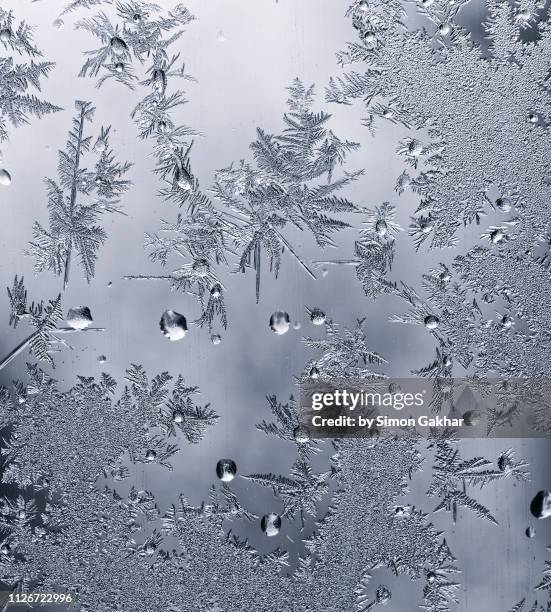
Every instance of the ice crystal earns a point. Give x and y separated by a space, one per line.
72 219
16 103
374 251
290 184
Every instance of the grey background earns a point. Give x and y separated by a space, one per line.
243 54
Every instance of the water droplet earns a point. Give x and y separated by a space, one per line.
431 576
370 38
431 322
58 24
532 118
363 6
471 418
5 177
415 148
540 506
507 321
216 339
178 416
444 28
100 145
150 455
503 204
497 235
79 317
324 272
173 325
301 434
381 227
109 284
216 291
314 373
185 183
119 67
150 549
317 316
270 524
22 515
279 322
5 549
137 18
102 358
297 325
118 46
201 267
530 532
5 35
226 469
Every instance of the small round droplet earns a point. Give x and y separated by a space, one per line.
314 373
363 6
497 235
150 549
540 506
415 148
216 291
109 284
431 577
444 29
301 434
100 145
503 205
22 515
5 549
119 67
317 317
297 325
445 276
5 35
150 455
431 322
381 227
471 418
102 358
532 118
5 177
507 321
270 524
178 416
173 325
79 317
324 272
530 532
201 267
137 18
185 183
280 322
216 339
226 469
118 46
370 38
